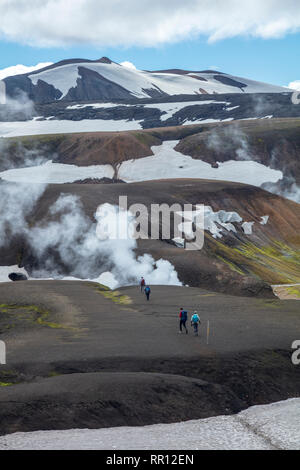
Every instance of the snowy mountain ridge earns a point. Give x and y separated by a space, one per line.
80 80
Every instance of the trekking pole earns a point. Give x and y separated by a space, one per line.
207 332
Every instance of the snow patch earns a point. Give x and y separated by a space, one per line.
264 220
248 228
56 173
6 270
232 108
54 126
213 222
172 108
98 105
167 163
264 427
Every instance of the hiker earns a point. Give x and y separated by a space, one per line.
142 284
195 321
183 319
147 292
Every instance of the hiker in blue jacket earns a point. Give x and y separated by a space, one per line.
195 322
147 292
182 320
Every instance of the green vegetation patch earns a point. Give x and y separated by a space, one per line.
9 377
147 139
276 263
53 373
294 291
114 295
12 315
269 303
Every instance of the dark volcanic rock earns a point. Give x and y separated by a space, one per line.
240 105
229 81
17 277
93 86
98 181
42 92
94 400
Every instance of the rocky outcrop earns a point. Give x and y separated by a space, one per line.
240 106
17 277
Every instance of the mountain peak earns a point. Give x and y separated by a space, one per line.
105 60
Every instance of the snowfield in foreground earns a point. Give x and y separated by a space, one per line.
267 427
166 163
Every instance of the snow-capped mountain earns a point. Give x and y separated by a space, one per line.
82 80
90 96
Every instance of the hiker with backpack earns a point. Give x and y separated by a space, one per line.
147 292
195 321
142 284
182 320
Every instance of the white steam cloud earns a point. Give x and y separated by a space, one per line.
231 139
21 157
293 192
287 188
19 107
111 222
66 241
16 203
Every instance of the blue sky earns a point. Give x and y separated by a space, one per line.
254 39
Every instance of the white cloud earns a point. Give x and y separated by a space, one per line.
143 22
128 64
19 69
295 85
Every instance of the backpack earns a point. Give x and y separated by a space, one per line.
183 315
195 318
142 282
147 290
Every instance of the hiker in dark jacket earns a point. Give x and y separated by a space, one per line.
182 320
142 284
147 292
